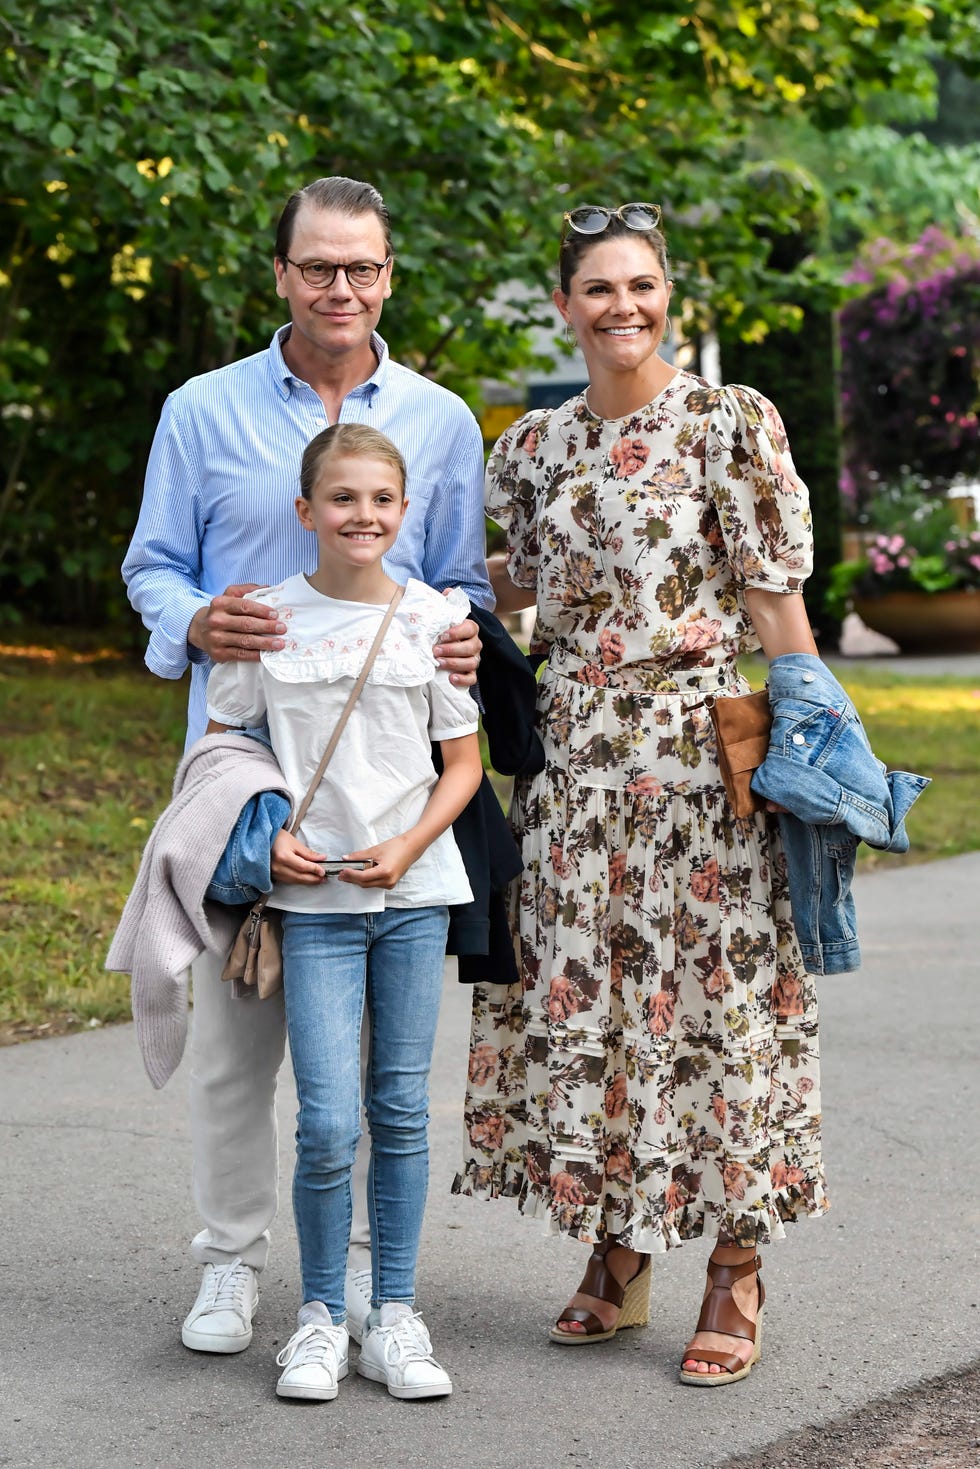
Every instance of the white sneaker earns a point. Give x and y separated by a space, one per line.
397 1351
357 1299
220 1320
315 1357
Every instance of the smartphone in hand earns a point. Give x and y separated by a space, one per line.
332 865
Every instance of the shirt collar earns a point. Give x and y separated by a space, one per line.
283 378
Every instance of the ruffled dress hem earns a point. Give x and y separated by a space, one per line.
761 1225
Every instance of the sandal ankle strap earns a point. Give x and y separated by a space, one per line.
599 1280
718 1310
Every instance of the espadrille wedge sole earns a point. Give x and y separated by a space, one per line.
633 1300
720 1313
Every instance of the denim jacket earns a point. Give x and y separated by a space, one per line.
822 769
244 872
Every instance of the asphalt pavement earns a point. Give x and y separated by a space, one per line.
873 1298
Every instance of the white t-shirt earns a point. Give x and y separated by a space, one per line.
381 774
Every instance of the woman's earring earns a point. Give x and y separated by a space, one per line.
569 334
668 329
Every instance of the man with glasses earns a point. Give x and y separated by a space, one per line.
217 519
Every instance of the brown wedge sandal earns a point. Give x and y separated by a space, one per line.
720 1313
633 1300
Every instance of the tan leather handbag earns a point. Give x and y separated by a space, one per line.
742 724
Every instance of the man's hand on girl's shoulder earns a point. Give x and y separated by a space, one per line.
232 629
458 652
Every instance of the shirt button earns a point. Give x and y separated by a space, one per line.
809 677
799 739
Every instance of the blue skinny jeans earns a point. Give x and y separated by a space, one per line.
334 964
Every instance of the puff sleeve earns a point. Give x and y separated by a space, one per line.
236 695
511 494
763 506
452 711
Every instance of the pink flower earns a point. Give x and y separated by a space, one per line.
645 785
483 1064
487 1132
612 647
567 1189
787 996
614 1102
628 456
704 883
700 632
619 1164
735 1180
784 1175
660 1016
531 442
713 984
674 1197
562 999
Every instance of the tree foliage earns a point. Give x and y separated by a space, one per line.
145 153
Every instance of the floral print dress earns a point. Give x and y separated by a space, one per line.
654 1076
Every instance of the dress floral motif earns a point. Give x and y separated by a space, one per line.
656 1074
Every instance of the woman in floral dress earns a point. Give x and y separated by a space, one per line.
655 1076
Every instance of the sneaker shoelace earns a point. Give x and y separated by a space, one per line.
406 1341
228 1285
361 1280
313 1345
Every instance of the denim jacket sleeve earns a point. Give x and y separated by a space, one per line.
821 768
820 764
244 871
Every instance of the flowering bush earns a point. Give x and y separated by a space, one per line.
894 564
910 365
922 549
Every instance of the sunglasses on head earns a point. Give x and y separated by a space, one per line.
592 219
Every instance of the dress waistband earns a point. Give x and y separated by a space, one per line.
646 678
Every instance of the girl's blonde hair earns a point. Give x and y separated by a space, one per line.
355 439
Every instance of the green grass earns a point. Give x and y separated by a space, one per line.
930 727
87 755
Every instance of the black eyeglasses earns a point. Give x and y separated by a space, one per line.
360 273
592 219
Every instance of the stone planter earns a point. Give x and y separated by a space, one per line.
925 622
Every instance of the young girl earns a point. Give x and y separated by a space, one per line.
373 935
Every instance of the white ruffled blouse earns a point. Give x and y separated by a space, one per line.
381 774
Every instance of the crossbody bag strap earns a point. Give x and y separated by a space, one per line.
345 713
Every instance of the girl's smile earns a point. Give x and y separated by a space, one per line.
355 511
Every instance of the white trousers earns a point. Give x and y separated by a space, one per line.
237 1047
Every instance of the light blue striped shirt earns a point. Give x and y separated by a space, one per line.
224 472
